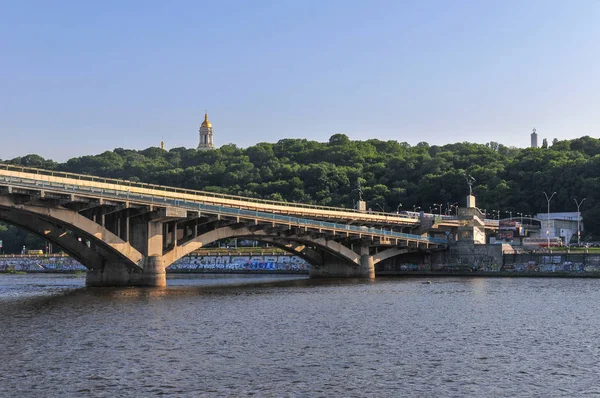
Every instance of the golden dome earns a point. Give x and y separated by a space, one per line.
206 123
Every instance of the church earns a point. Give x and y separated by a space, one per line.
206 135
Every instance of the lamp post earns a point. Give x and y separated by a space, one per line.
509 213
381 207
548 199
439 207
454 207
578 217
520 214
415 208
398 208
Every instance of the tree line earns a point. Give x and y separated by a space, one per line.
392 175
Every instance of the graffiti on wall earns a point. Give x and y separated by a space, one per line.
241 263
29 264
188 263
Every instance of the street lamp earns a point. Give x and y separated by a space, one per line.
578 217
439 207
548 217
520 214
455 207
415 208
509 213
381 207
398 208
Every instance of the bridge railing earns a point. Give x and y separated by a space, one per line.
129 183
230 211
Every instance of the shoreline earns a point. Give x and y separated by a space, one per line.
493 274
417 274
54 271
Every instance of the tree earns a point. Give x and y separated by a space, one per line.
339 139
544 143
390 173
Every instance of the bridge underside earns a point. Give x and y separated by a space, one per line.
128 243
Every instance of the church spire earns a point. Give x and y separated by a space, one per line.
206 122
206 134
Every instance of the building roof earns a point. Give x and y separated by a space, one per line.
567 216
206 123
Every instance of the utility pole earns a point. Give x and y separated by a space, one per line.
548 218
578 218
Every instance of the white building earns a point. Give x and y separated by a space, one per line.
560 225
206 135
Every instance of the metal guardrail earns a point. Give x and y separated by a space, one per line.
36 256
216 209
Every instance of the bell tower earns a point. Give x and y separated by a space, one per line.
206 135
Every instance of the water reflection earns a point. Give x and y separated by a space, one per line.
263 336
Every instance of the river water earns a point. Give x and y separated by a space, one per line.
278 336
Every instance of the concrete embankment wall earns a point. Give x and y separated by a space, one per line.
485 260
212 263
488 260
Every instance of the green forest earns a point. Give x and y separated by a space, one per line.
392 176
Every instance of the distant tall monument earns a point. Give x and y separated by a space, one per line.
534 143
206 135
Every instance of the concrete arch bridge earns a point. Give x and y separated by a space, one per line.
127 233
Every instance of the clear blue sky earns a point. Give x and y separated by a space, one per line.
81 77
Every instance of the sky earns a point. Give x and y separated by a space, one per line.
82 77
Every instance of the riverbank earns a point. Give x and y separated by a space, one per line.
416 274
488 274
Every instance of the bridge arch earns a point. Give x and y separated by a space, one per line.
309 248
57 236
55 227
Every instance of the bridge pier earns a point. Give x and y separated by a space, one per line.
334 267
117 274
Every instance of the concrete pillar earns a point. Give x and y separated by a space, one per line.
155 239
146 236
335 267
116 274
367 266
126 229
111 275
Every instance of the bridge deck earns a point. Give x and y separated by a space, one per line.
99 184
276 212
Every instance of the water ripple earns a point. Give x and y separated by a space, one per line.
270 336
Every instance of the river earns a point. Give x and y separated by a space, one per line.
274 336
